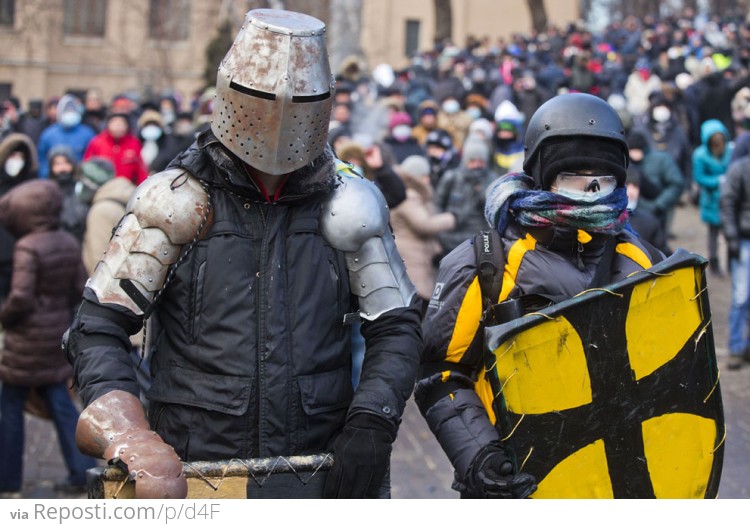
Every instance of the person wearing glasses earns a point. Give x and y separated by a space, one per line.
556 221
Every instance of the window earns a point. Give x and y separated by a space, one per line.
412 37
84 17
169 19
7 12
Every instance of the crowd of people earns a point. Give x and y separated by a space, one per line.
433 136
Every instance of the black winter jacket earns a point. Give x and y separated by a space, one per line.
452 393
734 201
252 358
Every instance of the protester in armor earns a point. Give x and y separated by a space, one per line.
48 277
556 221
253 248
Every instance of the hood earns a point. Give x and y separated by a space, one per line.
711 127
31 207
317 177
19 141
118 189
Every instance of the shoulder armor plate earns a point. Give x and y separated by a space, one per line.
355 212
173 201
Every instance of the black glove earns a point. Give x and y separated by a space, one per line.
362 454
491 476
733 248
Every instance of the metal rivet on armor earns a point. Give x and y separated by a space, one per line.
364 285
150 280
165 252
356 259
247 206
386 410
546 126
364 225
592 122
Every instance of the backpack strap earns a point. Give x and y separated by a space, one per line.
490 259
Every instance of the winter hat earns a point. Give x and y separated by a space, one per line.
581 153
69 102
474 149
64 150
637 140
94 173
508 111
150 116
439 137
399 118
415 166
481 126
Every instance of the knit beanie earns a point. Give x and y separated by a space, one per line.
581 153
474 149
415 166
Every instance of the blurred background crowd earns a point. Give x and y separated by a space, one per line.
432 135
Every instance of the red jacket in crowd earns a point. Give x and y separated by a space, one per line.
124 153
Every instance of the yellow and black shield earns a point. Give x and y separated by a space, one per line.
614 393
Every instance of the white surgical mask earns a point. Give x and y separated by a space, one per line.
632 203
474 112
151 132
451 106
401 133
13 166
661 114
70 119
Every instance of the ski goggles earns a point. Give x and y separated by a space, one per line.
594 185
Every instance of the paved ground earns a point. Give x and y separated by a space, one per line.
420 469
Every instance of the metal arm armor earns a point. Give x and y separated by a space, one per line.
355 221
164 213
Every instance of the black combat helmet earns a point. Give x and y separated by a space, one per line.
574 131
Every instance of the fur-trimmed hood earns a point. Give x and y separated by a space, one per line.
13 142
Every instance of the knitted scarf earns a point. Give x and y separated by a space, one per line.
513 197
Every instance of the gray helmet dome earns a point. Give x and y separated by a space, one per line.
570 115
274 92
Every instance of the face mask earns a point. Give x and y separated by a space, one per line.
474 112
168 116
151 132
64 176
70 119
401 132
632 203
661 114
183 129
451 106
14 166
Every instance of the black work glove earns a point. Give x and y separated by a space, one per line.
491 476
362 454
733 249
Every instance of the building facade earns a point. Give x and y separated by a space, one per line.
49 47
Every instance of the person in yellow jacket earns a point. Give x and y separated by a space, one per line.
558 221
